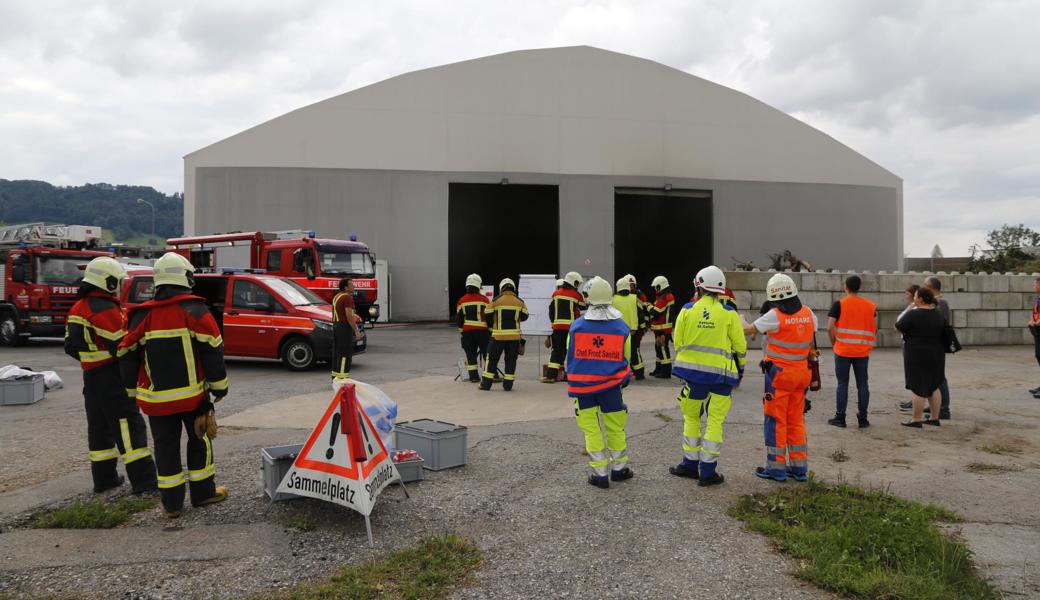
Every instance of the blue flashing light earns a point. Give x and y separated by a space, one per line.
23 246
311 234
112 249
353 237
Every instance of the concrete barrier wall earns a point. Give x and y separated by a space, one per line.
987 309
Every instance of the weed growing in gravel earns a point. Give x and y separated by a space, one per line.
301 523
839 455
865 544
663 417
96 514
1004 448
429 570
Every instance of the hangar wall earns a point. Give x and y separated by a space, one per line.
403 216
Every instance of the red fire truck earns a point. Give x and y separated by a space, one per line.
315 263
40 270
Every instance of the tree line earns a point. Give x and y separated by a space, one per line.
113 207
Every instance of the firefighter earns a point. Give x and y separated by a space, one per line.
172 360
469 315
565 306
790 329
710 358
644 326
344 329
661 312
114 424
504 315
598 354
628 305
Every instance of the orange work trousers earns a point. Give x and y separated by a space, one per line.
787 450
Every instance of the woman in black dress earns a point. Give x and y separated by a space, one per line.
925 363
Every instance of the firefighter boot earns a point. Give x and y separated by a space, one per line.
220 495
109 484
600 481
664 373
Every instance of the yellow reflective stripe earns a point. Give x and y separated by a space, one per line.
138 454
123 351
146 395
124 432
189 359
166 333
202 474
209 450
661 326
102 455
77 320
93 357
216 342
114 336
131 392
219 385
170 481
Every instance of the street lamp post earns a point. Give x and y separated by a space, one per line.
151 206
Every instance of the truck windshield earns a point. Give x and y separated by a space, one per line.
60 270
343 262
292 292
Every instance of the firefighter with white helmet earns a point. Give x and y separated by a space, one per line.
504 315
598 352
710 358
172 361
661 313
115 428
790 329
565 306
473 327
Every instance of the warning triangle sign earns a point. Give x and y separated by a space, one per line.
343 461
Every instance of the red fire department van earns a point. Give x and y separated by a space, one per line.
260 315
41 267
315 263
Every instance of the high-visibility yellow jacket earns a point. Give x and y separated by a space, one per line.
628 305
709 343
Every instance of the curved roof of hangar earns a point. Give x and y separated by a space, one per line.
572 110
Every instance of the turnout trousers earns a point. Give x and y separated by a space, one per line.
475 344
166 431
712 402
342 350
610 407
636 362
558 353
115 429
496 349
663 351
787 450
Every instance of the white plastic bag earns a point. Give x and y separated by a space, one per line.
381 410
51 380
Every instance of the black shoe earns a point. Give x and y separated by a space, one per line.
863 422
110 486
715 479
600 482
916 424
934 422
477 380
944 415
680 471
1035 390
622 474
640 376
837 422
149 488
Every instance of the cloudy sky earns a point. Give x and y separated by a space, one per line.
945 93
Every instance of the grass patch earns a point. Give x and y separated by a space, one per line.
96 514
1003 448
839 456
865 544
301 523
428 570
988 468
663 417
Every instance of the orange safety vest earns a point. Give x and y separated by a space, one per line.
789 346
856 329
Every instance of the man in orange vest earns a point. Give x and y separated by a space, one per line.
852 327
790 329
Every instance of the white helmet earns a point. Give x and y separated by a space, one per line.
473 280
711 279
623 285
598 291
559 283
104 273
781 287
573 278
506 282
659 283
631 280
174 269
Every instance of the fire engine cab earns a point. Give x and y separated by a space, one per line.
41 267
317 264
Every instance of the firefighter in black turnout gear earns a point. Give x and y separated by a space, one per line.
565 307
115 427
473 327
504 315
344 329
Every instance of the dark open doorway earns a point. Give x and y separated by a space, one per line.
500 231
658 232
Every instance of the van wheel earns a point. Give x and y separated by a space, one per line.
298 354
9 335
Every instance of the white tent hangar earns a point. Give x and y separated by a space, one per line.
545 161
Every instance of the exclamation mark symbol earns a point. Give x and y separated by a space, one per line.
332 437
368 442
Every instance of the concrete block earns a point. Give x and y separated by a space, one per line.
987 283
748 280
874 297
889 339
984 318
1019 318
898 283
743 298
990 337
1003 318
960 318
960 284
891 301
965 300
757 298
1021 283
871 282
816 300
1028 300
887 318
823 340
1000 301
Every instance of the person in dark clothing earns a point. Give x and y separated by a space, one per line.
1034 328
922 330
344 329
935 285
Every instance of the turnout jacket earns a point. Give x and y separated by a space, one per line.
172 354
661 313
469 312
504 315
94 329
565 306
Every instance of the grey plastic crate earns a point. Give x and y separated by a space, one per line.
410 470
442 445
277 461
26 390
